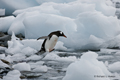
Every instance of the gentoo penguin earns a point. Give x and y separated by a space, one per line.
50 41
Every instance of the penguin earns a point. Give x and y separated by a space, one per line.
50 41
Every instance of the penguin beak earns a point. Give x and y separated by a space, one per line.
64 36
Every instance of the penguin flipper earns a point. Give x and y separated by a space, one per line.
43 37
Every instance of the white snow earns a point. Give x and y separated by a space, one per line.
55 57
12 75
2 56
2 48
36 64
60 46
28 51
33 43
34 57
18 57
87 68
115 67
5 23
22 66
14 46
40 69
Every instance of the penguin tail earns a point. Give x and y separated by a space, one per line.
43 37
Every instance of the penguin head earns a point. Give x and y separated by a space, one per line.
58 33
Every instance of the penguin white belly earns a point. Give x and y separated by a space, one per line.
50 44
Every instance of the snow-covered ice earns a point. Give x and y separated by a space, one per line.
22 66
87 68
115 67
36 64
40 69
12 75
5 23
53 56
34 57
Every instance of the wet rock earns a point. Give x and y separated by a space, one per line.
69 54
3 39
6 62
1 77
20 36
31 74
1 34
4 71
22 77
117 4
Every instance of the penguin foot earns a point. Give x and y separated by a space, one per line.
51 50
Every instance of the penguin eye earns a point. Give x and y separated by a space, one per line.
61 32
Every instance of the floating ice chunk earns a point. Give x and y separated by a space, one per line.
105 57
101 6
5 23
28 51
33 43
2 48
53 22
3 65
18 57
40 69
115 67
117 53
93 43
60 46
14 46
108 51
22 67
41 9
12 75
2 56
55 78
87 68
8 58
114 42
34 57
56 1
109 3
37 64
53 56
17 26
